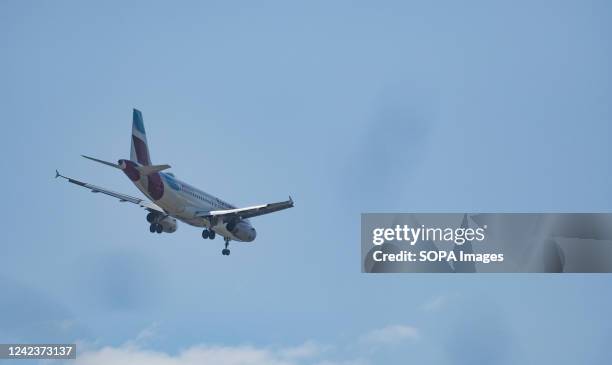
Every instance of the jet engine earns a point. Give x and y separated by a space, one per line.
161 223
170 225
242 230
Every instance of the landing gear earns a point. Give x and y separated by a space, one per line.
156 227
208 234
226 251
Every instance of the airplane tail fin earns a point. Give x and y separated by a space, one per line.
140 149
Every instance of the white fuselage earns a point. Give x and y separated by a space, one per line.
189 204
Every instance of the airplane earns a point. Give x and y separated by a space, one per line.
172 199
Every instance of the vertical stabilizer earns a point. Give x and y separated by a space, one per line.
140 148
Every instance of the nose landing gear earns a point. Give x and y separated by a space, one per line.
226 251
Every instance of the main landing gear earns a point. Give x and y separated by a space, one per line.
156 227
208 234
211 234
226 251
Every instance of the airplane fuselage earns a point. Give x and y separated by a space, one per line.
186 203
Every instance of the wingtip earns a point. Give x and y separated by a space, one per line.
57 174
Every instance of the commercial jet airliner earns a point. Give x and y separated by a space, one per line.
172 199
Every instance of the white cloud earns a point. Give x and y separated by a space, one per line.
145 335
138 351
435 304
391 335
217 355
305 350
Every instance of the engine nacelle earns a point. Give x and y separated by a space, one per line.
151 217
169 224
243 231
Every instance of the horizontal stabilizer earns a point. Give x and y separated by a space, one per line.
103 162
151 169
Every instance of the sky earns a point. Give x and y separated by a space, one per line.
350 107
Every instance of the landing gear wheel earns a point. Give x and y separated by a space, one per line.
226 251
159 228
212 235
152 228
205 234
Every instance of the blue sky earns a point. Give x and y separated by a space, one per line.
349 106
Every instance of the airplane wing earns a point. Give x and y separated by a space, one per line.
249 212
122 197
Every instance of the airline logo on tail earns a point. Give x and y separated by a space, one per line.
140 149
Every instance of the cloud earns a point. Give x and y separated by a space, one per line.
435 304
304 354
391 335
145 336
138 351
305 350
218 355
